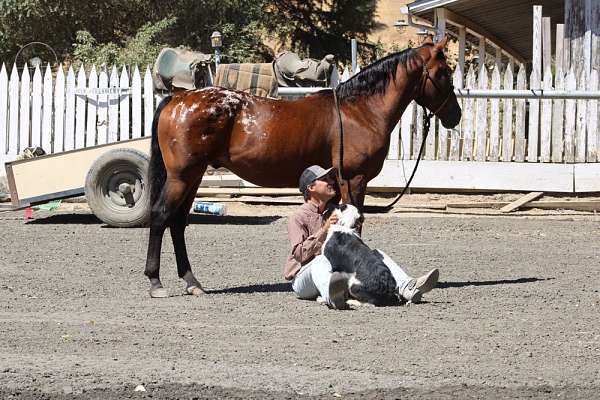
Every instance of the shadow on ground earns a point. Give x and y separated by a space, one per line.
262 288
444 285
194 219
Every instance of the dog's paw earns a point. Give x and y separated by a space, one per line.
356 304
321 300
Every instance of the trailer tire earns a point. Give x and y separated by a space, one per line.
116 188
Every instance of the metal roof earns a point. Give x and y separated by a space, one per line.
510 21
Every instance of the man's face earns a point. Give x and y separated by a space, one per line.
323 188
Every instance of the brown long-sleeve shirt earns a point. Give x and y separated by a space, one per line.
306 236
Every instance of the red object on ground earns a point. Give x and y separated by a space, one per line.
28 213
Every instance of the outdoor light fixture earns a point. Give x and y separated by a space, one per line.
216 41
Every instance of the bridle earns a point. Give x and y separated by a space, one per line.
427 115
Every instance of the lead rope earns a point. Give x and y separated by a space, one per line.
340 166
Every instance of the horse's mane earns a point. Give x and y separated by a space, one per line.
374 78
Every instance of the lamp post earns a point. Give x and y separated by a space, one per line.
216 41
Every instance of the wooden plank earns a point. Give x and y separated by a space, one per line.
467 116
148 103
80 103
3 113
594 25
36 108
546 44
575 205
495 117
102 124
592 120
92 109
481 54
69 143
575 28
455 137
520 118
520 202
558 108
546 119
24 110
481 128
534 121
136 104
587 177
570 113
560 53
541 177
461 53
13 112
536 52
113 108
507 116
406 128
47 104
418 138
587 37
124 99
430 141
580 123
59 112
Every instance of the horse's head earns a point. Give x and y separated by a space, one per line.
436 91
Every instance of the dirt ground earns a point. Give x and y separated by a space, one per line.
516 313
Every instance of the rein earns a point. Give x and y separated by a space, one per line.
427 115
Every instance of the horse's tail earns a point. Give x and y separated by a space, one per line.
157 173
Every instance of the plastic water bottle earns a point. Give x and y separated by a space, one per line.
209 208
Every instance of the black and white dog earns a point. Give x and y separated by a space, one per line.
370 279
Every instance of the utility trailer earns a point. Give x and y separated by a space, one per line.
113 178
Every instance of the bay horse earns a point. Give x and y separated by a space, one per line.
270 142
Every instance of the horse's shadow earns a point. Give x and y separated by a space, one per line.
259 288
194 219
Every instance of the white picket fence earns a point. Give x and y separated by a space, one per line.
63 112
510 130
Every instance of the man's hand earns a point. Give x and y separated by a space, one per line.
332 220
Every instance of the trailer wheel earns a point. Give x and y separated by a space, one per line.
116 188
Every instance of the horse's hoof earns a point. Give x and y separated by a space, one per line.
194 290
159 293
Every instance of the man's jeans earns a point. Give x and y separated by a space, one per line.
313 278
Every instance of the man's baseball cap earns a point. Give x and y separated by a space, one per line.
311 174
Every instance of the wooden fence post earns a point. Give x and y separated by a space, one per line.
580 125
592 120
3 113
520 117
58 139
24 110
36 108
570 110
507 120
557 119
90 136
48 111
80 109
546 119
467 116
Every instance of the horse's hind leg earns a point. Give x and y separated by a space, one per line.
184 269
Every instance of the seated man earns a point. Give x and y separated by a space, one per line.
309 271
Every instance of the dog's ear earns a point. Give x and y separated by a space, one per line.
343 207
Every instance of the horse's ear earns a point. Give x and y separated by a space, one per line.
441 45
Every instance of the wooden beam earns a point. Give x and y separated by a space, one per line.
521 201
479 31
536 46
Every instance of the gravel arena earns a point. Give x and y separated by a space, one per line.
516 313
